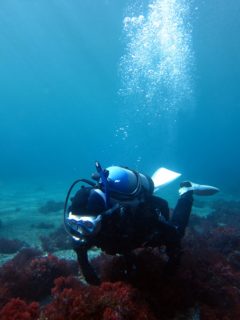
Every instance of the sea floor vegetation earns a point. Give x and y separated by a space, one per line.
40 280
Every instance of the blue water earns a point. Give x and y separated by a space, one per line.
121 82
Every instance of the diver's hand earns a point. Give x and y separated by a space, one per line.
91 276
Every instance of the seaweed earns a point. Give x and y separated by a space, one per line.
206 284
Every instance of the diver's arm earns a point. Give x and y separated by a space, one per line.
86 268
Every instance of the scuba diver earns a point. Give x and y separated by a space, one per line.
118 212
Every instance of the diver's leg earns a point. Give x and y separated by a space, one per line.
182 212
183 208
180 219
175 230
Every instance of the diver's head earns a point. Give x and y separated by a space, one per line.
84 219
89 201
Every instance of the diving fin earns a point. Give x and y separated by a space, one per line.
198 189
163 176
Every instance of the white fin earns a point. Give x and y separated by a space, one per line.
204 190
164 176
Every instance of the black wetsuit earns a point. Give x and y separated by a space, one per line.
128 228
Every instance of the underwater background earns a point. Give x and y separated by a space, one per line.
144 84
69 97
